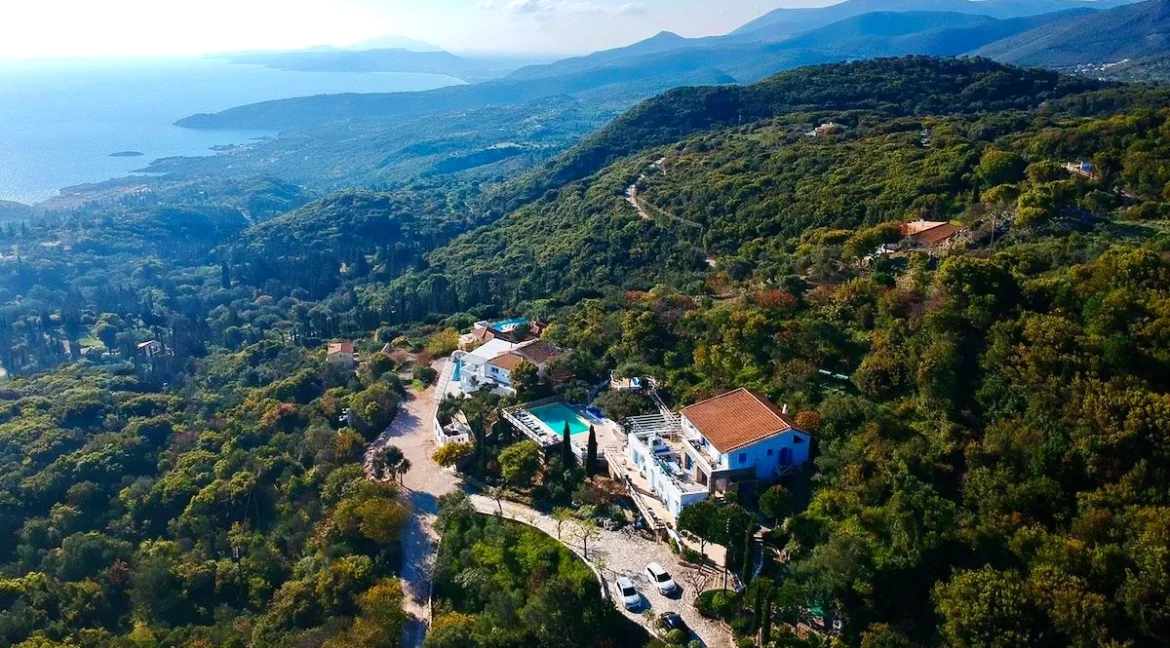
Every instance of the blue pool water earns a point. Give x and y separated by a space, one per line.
557 414
504 325
458 370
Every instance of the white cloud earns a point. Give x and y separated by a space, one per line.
526 6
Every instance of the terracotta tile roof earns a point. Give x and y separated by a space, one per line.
483 333
736 419
340 347
919 226
937 235
507 361
538 352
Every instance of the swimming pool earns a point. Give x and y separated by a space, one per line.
509 324
556 415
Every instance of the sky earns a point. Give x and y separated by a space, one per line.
117 28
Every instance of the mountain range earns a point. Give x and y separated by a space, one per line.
1134 32
781 22
1054 33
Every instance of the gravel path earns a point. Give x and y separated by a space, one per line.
423 484
613 553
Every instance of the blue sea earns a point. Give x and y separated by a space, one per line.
61 120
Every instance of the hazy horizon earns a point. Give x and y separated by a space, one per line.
143 28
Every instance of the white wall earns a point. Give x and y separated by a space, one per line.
502 376
665 489
790 448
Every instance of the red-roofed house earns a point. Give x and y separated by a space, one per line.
340 354
740 435
926 234
535 352
714 445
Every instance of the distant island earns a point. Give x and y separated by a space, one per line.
127 154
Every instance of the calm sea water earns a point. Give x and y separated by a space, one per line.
61 120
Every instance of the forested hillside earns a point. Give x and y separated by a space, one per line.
991 473
1131 32
996 464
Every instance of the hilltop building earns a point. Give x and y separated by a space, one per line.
930 235
732 441
340 354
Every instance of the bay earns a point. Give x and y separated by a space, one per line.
61 120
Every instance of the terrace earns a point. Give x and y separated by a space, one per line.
544 422
702 453
655 464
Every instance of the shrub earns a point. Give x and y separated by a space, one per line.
723 603
425 375
692 556
443 342
676 637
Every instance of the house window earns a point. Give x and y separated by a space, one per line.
770 451
798 439
743 457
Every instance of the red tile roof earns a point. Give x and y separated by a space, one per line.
483 333
538 352
936 235
914 228
340 347
736 419
929 233
507 361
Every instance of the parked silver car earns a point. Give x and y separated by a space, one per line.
628 593
661 579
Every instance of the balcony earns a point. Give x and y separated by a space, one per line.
707 459
680 477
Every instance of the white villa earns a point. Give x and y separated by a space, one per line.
714 445
493 362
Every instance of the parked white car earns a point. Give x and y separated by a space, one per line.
628 593
661 579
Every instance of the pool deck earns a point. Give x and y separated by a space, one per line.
523 418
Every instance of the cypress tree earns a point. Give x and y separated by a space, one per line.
566 448
591 457
758 609
766 628
480 447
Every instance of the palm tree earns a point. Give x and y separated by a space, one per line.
390 464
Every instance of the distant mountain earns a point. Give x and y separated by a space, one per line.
920 32
785 22
394 42
610 89
662 42
14 211
1133 32
372 60
616 79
